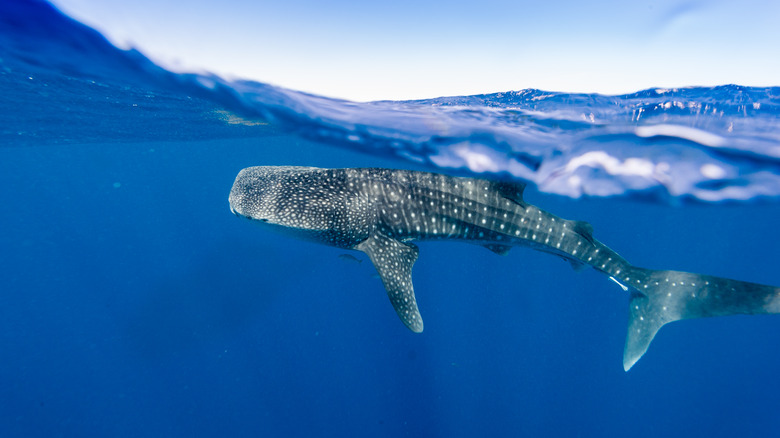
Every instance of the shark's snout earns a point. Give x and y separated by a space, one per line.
246 216
235 211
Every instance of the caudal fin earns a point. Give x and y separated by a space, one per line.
659 297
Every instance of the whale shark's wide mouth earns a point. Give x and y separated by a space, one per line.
239 214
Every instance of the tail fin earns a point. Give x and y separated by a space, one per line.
659 297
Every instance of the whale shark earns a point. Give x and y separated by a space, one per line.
382 212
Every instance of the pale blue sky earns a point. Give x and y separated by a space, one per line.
423 48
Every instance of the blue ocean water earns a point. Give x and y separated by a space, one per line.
133 303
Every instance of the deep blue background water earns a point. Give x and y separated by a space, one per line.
149 309
133 303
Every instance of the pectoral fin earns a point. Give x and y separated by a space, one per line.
393 261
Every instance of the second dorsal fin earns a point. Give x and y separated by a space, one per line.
584 229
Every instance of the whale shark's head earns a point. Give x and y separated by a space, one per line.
297 201
267 194
304 202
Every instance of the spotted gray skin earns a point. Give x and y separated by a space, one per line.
381 211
